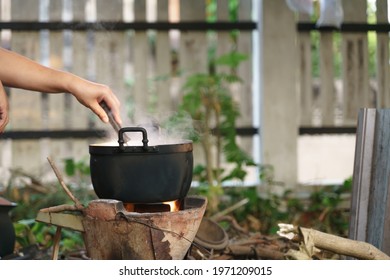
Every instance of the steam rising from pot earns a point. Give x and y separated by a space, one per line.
162 129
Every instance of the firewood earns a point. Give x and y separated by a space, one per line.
311 240
59 208
254 252
233 223
77 203
230 209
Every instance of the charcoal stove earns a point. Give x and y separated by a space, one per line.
114 230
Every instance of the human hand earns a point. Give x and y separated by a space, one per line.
4 117
92 94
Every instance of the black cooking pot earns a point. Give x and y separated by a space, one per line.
7 231
141 174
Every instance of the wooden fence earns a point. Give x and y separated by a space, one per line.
351 75
128 45
325 81
131 44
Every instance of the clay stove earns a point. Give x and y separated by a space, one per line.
112 232
134 235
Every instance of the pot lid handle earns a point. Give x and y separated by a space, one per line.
121 140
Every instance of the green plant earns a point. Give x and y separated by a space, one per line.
325 209
29 232
208 101
31 195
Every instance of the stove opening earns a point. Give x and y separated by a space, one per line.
167 206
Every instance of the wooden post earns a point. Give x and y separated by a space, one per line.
56 243
370 208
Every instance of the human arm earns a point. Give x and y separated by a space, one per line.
3 108
21 72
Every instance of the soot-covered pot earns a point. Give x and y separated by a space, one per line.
7 231
141 174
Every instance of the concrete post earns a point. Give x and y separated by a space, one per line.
279 96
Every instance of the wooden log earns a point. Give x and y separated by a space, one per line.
254 252
312 239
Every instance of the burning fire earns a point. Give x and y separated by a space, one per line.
167 206
174 205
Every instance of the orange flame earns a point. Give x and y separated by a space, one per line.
174 205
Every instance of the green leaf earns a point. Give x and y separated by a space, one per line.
232 59
70 167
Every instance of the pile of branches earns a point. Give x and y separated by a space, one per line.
291 243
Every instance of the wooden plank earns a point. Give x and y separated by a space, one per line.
193 45
224 42
355 63
5 145
192 54
386 224
370 195
79 58
361 185
163 63
109 47
327 89
141 58
242 92
81 62
305 76
56 102
54 113
174 35
73 221
382 55
380 182
25 106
